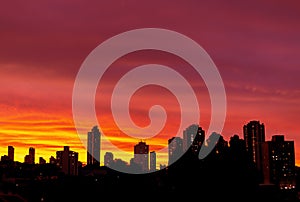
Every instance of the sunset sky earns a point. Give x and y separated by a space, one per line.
254 44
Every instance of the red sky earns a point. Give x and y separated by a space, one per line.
254 44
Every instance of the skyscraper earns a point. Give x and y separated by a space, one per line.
32 154
193 138
175 149
30 158
67 161
279 162
254 136
11 153
141 155
152 161
93 146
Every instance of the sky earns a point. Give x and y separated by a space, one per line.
255 46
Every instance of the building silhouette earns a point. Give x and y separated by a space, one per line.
254 136
221 146
52 160
279 162
175 149
226 170
30 157
237 144
11 153
32 154
42 161
67 161
141 156
152 161
193 138
238 149
93 146
108 159
4 158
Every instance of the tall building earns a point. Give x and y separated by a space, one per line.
108 159
67 161
193 138
175 149
254 136
152 161
32 154
11 153
93 146
279 162
141 155
30 158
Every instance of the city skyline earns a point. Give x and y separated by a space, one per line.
252 126
273 161
279 179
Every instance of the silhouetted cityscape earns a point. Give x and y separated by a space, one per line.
241 168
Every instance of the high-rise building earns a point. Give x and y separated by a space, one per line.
93 146
193 138
108 159
67 161
279 162
32 154
175 149
11 153
141 155
152 161
254 136
30 158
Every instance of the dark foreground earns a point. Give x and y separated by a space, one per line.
213 179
